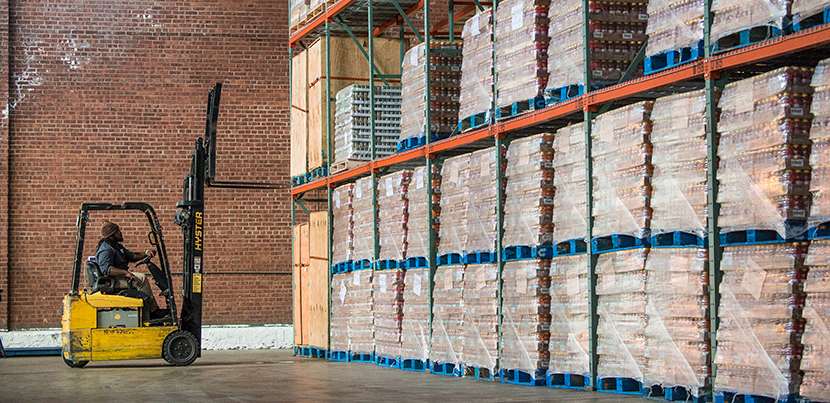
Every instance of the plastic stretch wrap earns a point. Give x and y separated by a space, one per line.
342 237
820 135
388 311
621 283
445 87
476 94
393 213
816 339
352 325
481 224
763 167
454 204
802 9
528 206
733 16
522 54
525 341
363 219
569 204
422 211
677 345
480 340
673 24
415 323
622 171
352 130
448 315
759 338
569 344
679 198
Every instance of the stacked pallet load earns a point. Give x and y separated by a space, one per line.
444 90
476 97
415 323
741 22
364 223
423 214
528 211
480 323
679 198
481 223
298 11
820 155
764 151
617 32
454 209
569 202
342 236
675 33
677 349
569 337
352 130
526 321
622 173
387 313
816 339
521 55
352 334
621 306
447 342
761 322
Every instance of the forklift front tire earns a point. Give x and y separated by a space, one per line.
180 348
75 364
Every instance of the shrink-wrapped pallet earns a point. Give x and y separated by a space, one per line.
423 212
445 87
393 215
621 291
298 10
820 136
363 221
569 336
528 206
342 236
763 169
678 136
759 337
816 339
802 9
569 202
622 171
476 94
733 16
352 326
352 130
454 204
480 323
526 319
448 315
677 346
674 24
415 322
481 224
522 51
387 311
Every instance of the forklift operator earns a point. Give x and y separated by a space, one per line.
113 259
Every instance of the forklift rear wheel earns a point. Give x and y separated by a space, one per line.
75 364
180 348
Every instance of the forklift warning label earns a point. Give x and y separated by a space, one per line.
197 264
197 283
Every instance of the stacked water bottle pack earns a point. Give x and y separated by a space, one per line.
481 224
816 339
423 214
528 209
454 208
388 314
569 203
569 336
393 219
736 17
342 236
448 320
476 97
352 123
820 136
415 323
675 25
363 223
480 340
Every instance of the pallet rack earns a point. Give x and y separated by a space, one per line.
710 72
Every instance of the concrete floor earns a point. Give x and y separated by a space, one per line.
257 376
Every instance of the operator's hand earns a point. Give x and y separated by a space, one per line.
149 252
130 276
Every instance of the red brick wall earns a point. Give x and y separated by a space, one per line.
107 99
4 167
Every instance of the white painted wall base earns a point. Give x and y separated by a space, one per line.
235 337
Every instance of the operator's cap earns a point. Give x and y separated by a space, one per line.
109 229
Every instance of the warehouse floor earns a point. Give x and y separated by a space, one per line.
256 375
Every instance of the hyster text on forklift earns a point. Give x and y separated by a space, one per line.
104 323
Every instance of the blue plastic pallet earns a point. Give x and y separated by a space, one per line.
544 251
678 239
388 361
820 231
388 265
519 107
339 355
734 397
318 173
445 368
364 264
474 121
484 374
415 263
512 253
417 141
623 386
519 377
570 247
673 58
795 232
614 243
313 352
342 267
812 21
412 364
567 381
31 351
356 356
565 93
449 259
480 257
675 394
299 180
746 37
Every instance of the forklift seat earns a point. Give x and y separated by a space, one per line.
98 281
